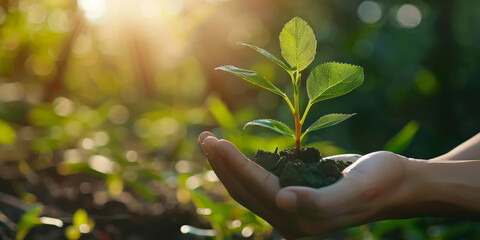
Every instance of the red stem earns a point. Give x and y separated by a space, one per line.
298 131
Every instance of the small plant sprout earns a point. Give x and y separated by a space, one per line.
329 80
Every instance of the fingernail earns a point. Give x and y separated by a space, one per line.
287 200
207 148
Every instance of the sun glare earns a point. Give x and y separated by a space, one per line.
99 11
95 10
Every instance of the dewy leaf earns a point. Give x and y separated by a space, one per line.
333 79
328 121
298 43
267 55
272 124
252 77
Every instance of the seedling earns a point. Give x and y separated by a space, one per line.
329 80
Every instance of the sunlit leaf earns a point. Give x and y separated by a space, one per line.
252 77
298 43
221 113
268 55
275 125
328 121
44 115
80 217
402 139
29 220
72 233
7 133
115 185
333 79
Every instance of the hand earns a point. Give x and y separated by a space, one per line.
369 190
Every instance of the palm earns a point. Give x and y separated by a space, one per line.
351 201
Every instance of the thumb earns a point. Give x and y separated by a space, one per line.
319 203
304 200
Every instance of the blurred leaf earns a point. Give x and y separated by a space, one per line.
7 133
80 217
44 115
268 55
328 121
332 80
221 113
146 192
275 125
150 174
250 144
72 233
253 77
298 43
29 220
115 185
327 148
219 212
385 227
402 139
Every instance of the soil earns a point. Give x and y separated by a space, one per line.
307 169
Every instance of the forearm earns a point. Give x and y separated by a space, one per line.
445 189
469 150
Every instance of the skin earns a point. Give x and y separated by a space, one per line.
377 186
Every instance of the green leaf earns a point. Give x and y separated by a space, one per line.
275 125
332 80
221 113
268 55
72 233
298 43
29 220
402 139
328 121
80 217
7 133
252 77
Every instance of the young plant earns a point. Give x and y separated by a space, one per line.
329 80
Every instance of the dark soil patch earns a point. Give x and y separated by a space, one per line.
307 169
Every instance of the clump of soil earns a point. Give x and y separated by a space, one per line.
307 169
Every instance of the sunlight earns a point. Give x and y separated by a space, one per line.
95 10
150 8
98 11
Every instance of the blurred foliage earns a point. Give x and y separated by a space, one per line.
29 220
81 224
101 102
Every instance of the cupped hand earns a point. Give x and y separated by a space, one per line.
371 187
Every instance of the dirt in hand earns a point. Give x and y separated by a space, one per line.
307 169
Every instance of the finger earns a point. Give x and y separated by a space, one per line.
236 168
322 203
240 191
303 200
345 157
224 172
202 137
251 174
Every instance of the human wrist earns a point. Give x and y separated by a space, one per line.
444 189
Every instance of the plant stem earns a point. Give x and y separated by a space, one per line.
296 115
298 133
306 112
289 104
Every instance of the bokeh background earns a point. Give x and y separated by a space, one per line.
101 102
